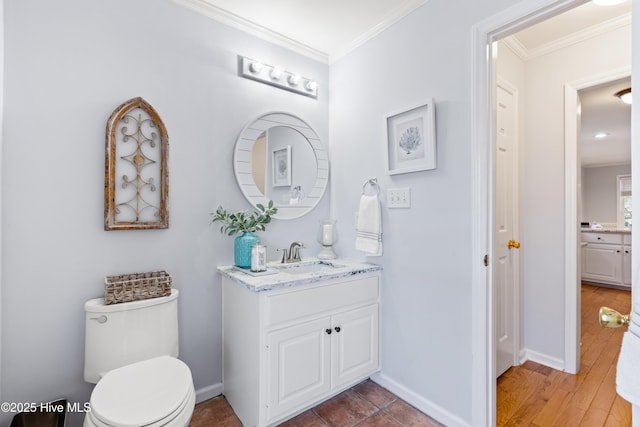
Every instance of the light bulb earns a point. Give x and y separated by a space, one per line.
276 73
311 85
294 79
255 67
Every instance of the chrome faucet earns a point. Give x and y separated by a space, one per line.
293 254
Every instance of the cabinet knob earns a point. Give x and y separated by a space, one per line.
599 238
618 251
328 331
337 328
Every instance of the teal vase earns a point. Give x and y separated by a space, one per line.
242 249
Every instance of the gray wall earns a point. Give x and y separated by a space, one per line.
542 209
600 192
69 64
426 282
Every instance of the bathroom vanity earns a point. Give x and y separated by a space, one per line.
297 336
606 258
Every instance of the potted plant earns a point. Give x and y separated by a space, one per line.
246 224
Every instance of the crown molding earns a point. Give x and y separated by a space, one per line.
514 44
205 8
221 15
525 54
394 17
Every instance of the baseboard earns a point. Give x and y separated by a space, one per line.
543 359
208 392
428 407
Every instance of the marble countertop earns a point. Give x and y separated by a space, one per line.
606 230
311 270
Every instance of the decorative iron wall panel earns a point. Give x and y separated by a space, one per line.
136 184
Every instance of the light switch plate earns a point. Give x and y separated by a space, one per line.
399 198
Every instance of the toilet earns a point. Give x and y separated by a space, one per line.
131 352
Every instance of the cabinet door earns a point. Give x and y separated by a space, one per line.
354 345
298 365
626 265
602 263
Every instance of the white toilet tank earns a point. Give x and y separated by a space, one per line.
120 334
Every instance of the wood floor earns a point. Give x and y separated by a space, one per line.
535 395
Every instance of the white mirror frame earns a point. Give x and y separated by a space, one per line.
242 163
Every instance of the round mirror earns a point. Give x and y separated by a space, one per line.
279 157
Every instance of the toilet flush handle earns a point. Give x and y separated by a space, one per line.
101 319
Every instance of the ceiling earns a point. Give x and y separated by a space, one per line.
603 112
329 29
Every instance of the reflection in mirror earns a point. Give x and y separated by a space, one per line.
258 161
279 157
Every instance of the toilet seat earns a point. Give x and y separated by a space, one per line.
152 392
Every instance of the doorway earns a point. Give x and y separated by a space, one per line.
550 266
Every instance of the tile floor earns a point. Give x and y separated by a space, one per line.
365 405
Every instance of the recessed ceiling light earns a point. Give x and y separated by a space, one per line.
601 135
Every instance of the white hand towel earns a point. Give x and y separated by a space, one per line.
628 374
369 229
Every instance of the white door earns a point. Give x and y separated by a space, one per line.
354 347
505 250
298 365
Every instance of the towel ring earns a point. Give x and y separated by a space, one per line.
373 182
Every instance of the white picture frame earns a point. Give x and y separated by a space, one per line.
281 161
411 140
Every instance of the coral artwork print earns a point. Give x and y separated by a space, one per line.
410 139
282 168
410 144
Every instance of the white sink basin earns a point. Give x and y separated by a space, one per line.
317 266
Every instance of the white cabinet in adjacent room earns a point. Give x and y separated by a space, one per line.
602 262
606 259
626 260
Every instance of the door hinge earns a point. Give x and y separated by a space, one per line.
486 260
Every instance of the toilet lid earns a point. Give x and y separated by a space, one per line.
141 393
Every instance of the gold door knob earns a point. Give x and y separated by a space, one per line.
513 244
610 318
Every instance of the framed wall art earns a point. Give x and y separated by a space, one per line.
411 140
282 167
136 186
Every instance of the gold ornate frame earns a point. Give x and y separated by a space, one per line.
136 181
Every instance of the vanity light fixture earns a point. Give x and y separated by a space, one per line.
624 95
275 76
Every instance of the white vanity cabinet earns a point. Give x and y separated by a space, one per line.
606 258
288 349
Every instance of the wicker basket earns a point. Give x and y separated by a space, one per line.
136 286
